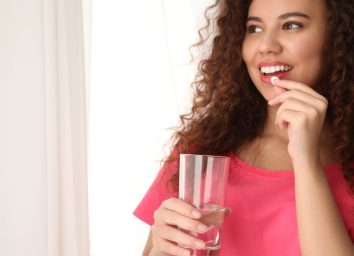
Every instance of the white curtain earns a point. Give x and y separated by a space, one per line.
43 180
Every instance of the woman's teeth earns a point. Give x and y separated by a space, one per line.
273 69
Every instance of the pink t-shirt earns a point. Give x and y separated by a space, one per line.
262 202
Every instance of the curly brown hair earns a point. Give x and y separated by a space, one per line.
228 111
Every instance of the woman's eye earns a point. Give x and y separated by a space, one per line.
254 29
291 25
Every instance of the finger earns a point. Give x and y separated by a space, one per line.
176 236
293 105
174 218
311 112
295 94
287 117
292 85
185 239
298 118
178 205
168 248
278 90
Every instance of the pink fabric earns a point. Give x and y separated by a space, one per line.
263 220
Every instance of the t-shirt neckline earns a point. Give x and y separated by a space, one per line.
266 172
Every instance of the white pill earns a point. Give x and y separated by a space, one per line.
273 79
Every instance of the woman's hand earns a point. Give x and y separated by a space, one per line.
166 237
302 111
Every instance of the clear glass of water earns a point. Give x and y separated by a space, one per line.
202 183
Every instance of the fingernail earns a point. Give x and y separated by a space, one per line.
200 244
202 228
186 253
196 214
227 211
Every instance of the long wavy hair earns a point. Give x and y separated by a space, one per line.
227 110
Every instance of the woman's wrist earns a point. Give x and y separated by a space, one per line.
307 164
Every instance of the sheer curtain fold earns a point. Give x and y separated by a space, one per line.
66 127
43 172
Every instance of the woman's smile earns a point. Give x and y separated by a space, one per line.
268 69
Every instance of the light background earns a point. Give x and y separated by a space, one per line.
140 83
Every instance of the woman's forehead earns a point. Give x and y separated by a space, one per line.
278 7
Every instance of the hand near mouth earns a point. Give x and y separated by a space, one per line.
304 111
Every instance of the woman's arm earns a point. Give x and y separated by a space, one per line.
321 229
320 226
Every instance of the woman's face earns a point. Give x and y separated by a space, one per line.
284 38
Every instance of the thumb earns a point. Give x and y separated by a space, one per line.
278 90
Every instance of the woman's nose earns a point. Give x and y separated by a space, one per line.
270 44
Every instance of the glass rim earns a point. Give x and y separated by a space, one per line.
202 155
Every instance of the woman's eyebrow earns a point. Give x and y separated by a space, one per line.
253 18
282 16
293 14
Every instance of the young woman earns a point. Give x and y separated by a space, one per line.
290 140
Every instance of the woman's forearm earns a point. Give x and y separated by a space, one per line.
321 229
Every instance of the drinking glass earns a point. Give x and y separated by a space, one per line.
202 183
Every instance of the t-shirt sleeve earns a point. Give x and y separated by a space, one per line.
157 193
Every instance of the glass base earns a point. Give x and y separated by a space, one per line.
211 251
